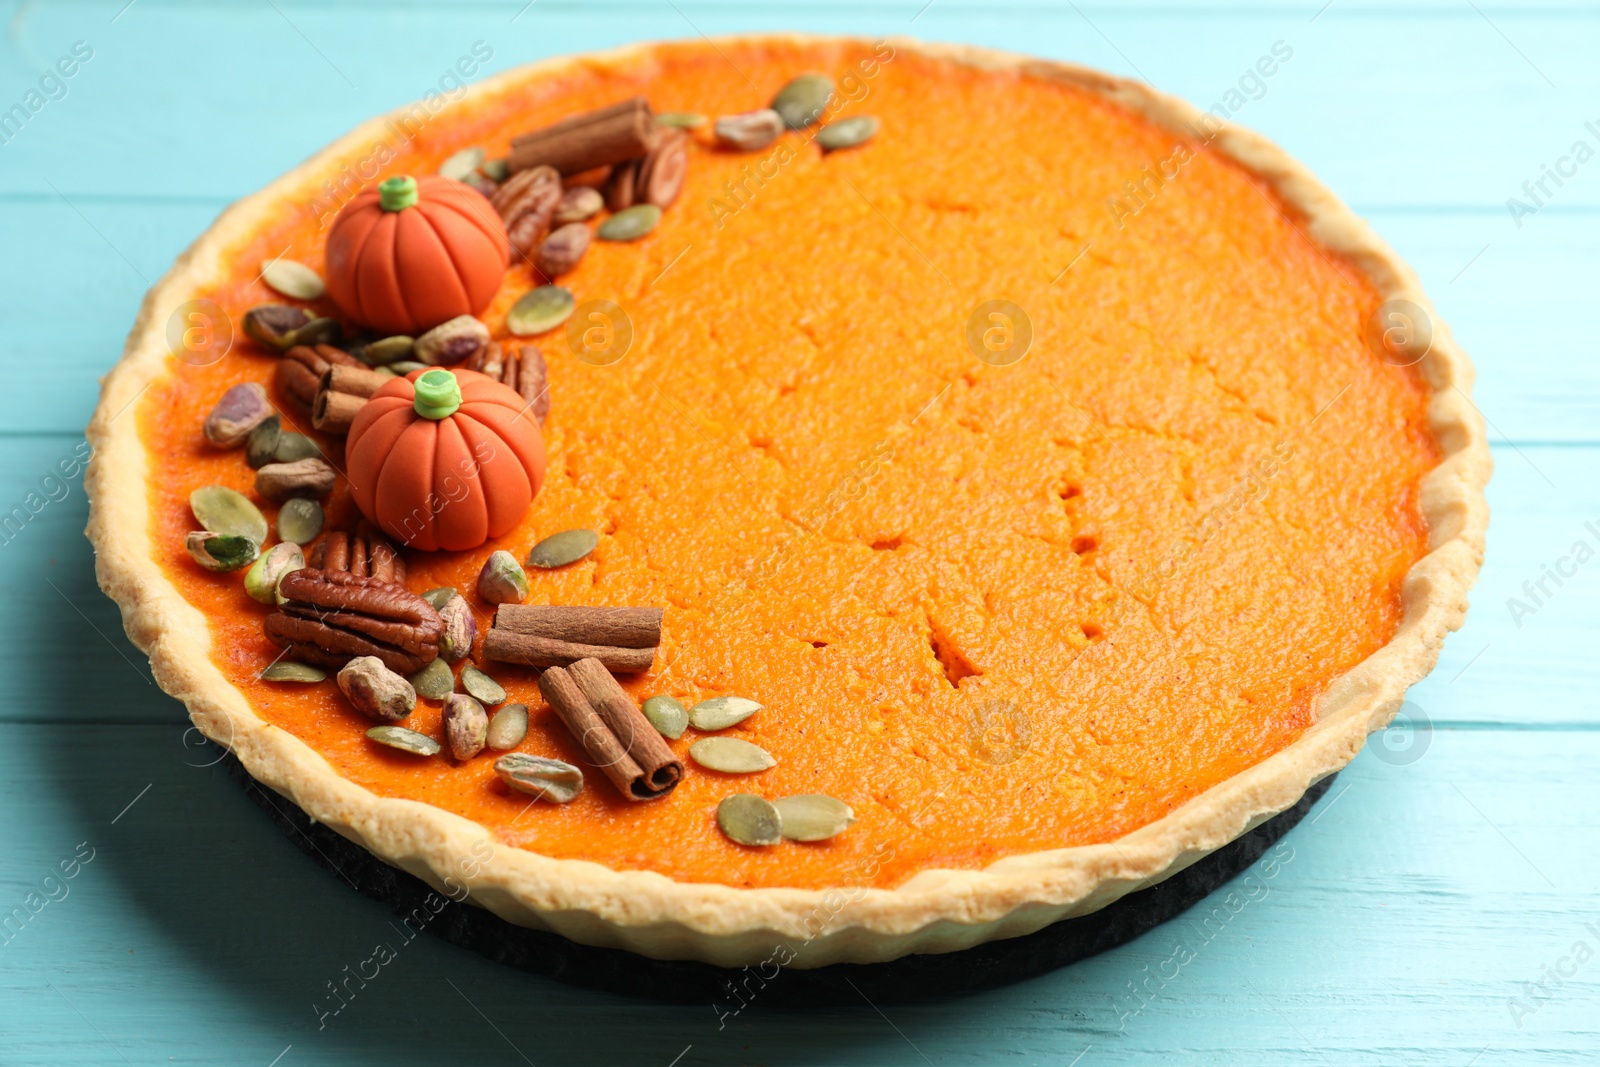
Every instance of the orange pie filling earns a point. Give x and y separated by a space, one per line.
997 592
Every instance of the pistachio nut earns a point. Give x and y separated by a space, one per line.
241 409
261 580
460 628
376 691
502 580
451 342
750 131
466 725
562 250
221 552
274 325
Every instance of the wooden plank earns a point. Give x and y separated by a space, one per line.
1383 126
1396 925
1509 665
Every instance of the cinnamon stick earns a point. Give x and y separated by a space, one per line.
530 650
612 730
583 142
617 627
523 369
300 372
660 767
341 392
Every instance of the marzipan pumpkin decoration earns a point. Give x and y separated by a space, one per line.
413 253
445 459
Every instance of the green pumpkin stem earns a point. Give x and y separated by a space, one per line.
438 394
398 193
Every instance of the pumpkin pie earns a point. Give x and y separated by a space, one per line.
1068 476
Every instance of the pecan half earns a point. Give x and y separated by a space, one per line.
364 554
332 617
527 202
300 371
522 368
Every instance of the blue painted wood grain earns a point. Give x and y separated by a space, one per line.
1434 904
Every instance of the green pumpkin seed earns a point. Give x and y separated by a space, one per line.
299 520
683 120
730 755
547 779
629 224
482 687
288 670
221 552
719 713
813 817
294 280
406 366
439 597
540 310
389 350
847 133
667 715
293 447
802 102
508 727
316 332
262 443
496 170
560 549
462 164
434 681
749 820
228 511
404 740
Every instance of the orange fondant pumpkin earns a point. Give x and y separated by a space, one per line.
413 253
445 459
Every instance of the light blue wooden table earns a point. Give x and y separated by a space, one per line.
1440 906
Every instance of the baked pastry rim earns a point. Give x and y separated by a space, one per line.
936 910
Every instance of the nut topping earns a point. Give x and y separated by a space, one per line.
331 617
363 554
527 202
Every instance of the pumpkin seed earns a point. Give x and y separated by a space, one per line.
482 687
288 670
388 350
683 120
262 443
294 280
667 715
508 727
719 713
813 816
404 740
299 521
540 310
261 580
228 511
406 366
221 552
434 681
802 102
629 224
730 755
496 170
560 549
439 597
547 779
293 447
847 133
317 332
749 820
463 163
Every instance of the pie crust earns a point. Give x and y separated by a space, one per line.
935 910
